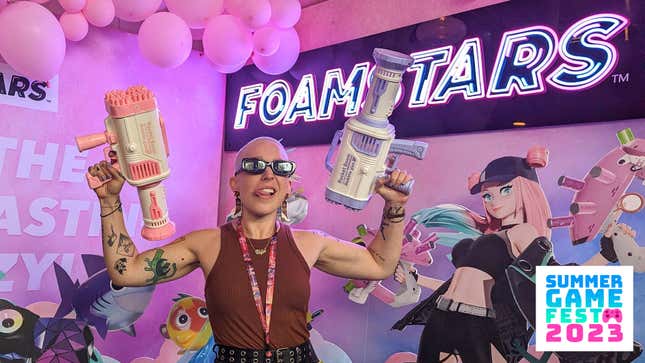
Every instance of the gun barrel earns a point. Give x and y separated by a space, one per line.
415 149
90 141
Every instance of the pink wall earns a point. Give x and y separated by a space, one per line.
190 98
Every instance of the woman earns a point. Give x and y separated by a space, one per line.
256 269
476 307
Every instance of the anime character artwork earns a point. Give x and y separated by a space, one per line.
477 313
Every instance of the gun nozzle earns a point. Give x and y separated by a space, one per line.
87 142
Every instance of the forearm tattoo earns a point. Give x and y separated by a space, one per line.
160 267
120 265
395 213
111 237
376 254
391 214
125 246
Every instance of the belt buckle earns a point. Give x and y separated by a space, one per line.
280 354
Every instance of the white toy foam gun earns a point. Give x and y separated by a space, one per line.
367 147
138 147
414 251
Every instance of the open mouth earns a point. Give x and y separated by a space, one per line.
265 192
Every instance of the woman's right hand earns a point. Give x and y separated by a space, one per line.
104 171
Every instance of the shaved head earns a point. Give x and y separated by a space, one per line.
258 147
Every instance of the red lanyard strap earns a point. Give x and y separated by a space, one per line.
265 316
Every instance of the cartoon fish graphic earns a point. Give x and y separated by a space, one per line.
187 324
100 303
26 337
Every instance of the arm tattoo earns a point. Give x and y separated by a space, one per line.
376 254
395 214
125 247
384 223
111 237
120 265
160 267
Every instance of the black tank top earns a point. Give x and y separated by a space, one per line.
491 254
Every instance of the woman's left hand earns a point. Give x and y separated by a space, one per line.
398 177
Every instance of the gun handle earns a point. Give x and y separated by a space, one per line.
405 188
110 156
332 149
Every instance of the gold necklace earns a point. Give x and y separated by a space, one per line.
260 251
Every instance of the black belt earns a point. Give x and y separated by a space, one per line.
304 353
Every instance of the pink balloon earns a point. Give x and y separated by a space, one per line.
165 40
254 13
135 10
72 6
266 40
227 41
74 26
31 40
196 13
285 13
99 13
228 69
284 58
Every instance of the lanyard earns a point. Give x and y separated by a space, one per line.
265 316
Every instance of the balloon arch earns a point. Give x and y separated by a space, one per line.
33 41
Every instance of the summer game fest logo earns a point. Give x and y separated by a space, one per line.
584 308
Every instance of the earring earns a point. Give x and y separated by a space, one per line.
238 204
283 210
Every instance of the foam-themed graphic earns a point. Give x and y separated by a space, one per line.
461 97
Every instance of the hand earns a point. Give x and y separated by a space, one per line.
614 228
397 177
105 171
399 274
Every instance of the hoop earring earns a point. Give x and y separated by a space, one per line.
283 210
238 204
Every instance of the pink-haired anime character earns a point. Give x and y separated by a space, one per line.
483 304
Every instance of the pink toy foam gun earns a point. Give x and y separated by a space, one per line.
601 196
414 251
138 148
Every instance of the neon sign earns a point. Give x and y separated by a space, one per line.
524 55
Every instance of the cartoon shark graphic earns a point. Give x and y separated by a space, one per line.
99 302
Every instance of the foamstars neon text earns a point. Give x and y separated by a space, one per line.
586 58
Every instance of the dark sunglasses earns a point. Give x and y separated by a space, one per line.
284 168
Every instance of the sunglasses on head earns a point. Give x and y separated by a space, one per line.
284 168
